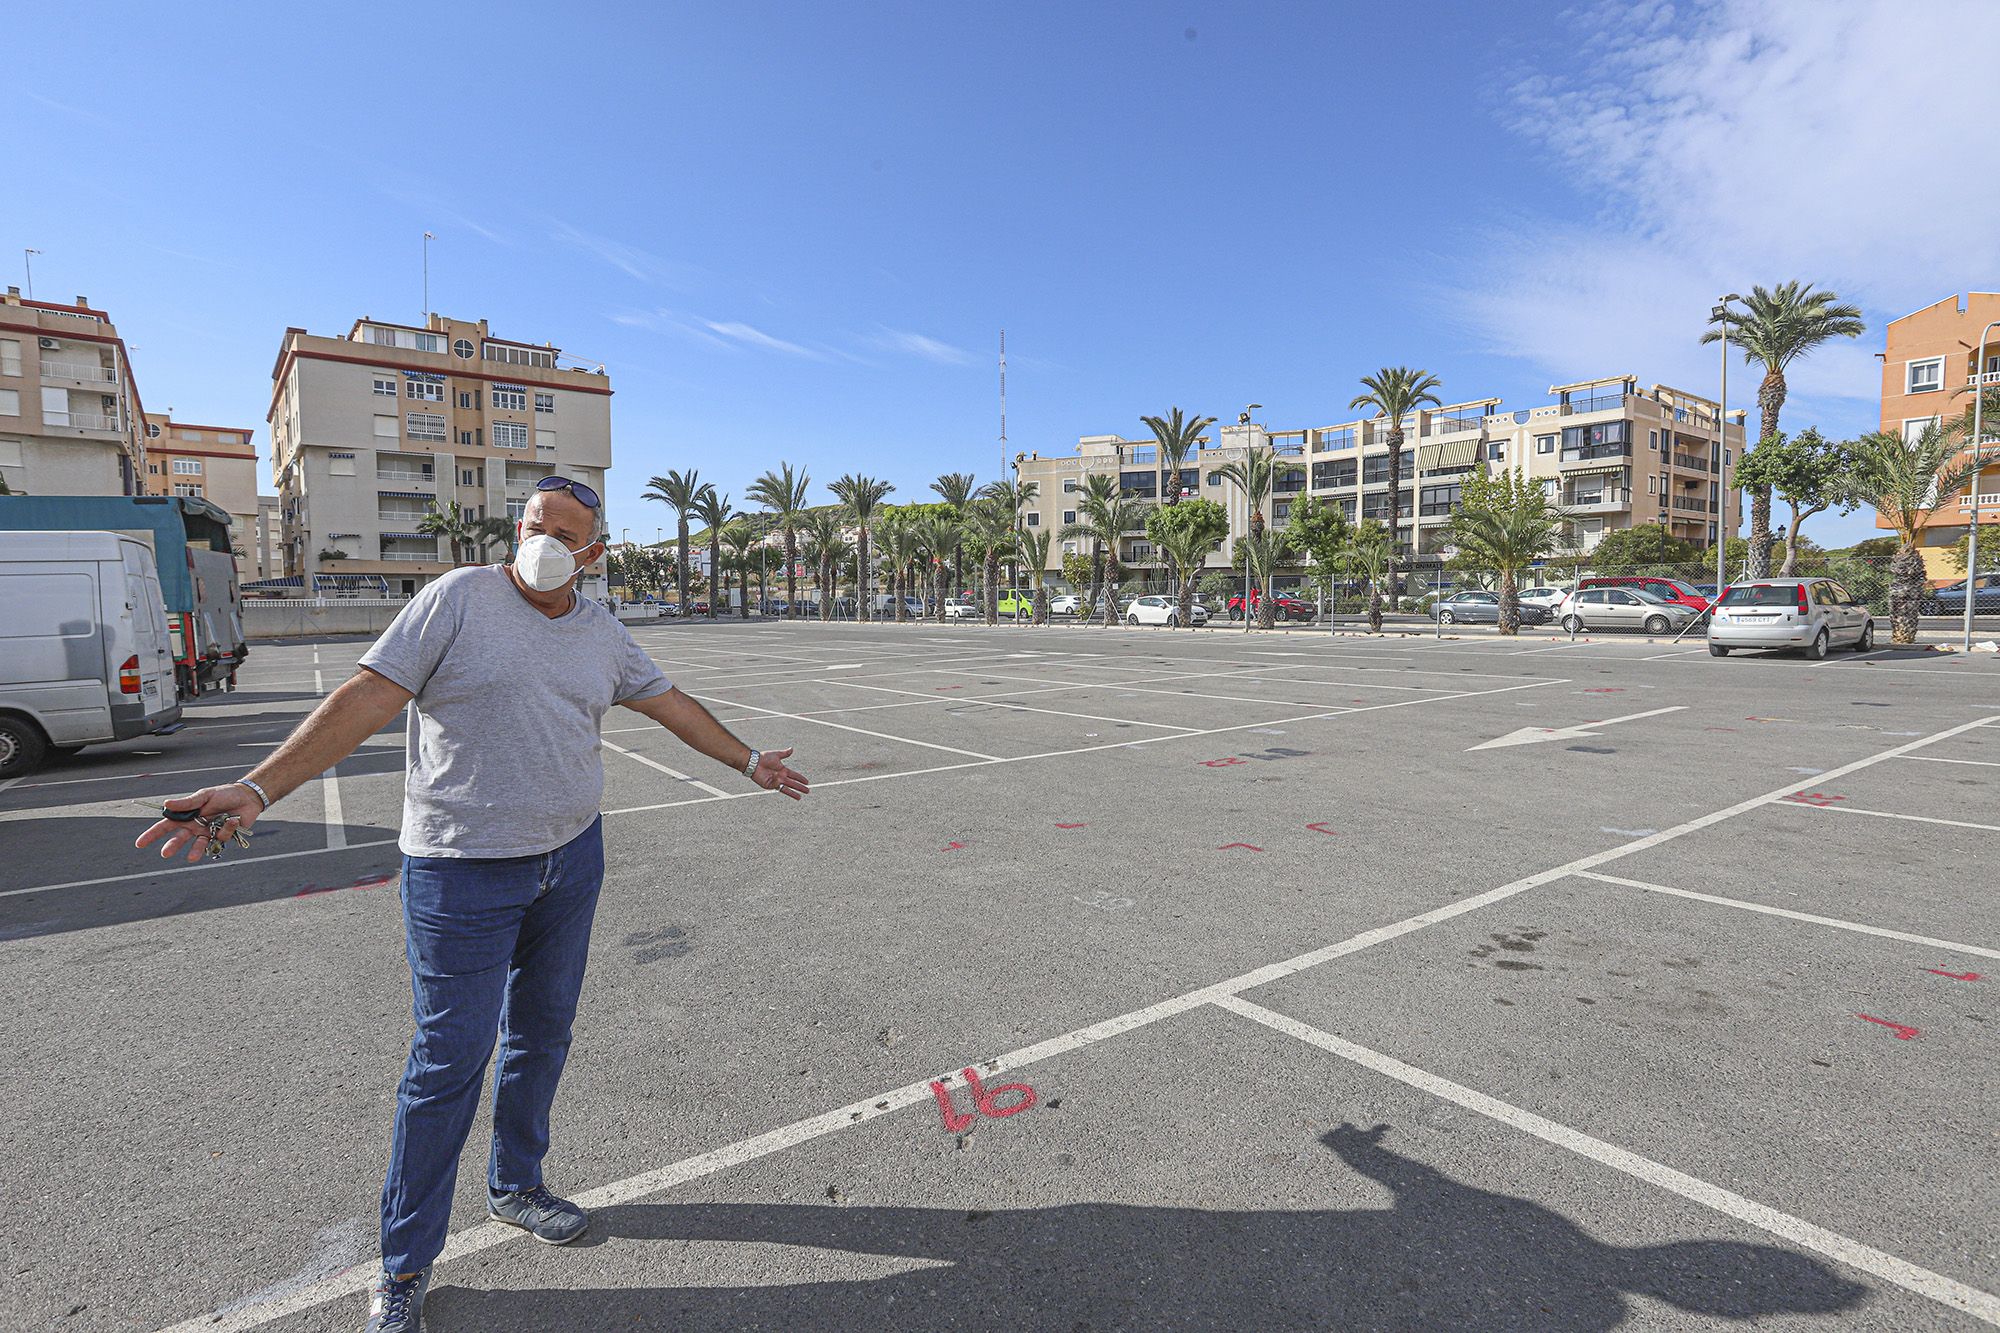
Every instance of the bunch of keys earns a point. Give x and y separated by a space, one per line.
241 837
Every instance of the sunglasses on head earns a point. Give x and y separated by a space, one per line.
585 496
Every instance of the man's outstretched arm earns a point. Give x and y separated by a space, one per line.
698 730
350 715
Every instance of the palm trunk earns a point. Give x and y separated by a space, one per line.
1770 402
1041 601
791 573
1395 508
714 575
1510 604
1187 598
1906 592
1089 608
992 587
1111 587
1374 607
681 572
862 582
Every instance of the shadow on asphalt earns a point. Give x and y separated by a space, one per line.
236 878
1445 1255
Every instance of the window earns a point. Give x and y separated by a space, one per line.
152 431
1914 427
518 356
188 467
385 386
1069 517
468 476
509 435
1496 451
509 398
385 428
341 464
1924 376
467 401
545 439
426 426
1069 485
1652 485
1545 444
517 510
462 349
10 357
1337 472
1034 520
1438 501
1653 440
10 402
186 488
424 391
545 402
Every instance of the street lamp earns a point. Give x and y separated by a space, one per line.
1720 314
1249 448
1978 443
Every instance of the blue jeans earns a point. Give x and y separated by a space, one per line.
494 946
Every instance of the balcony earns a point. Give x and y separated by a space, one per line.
79 372
411 557
82 421
1596 453
1456 425
403 517
397 474
1691 461
1988 503
1605 502
1603 402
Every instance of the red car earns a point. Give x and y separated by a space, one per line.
1667 590
1286 608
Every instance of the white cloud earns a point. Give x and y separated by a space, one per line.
1731 142
751 336
634 262
916 344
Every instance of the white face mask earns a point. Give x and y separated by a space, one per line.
544 563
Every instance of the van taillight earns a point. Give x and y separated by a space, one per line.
128 676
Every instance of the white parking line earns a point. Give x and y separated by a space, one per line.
198 865
841 726
616 748
1904 936
1920 1281
1927 758
354 1280
1890 814
1001 701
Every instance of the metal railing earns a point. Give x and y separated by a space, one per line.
1453 425
79 370
384 474
411 557
1591 453
1693 461
1601 403
81 421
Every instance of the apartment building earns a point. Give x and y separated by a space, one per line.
1612 453
218 463
1930 361
371 429
70 417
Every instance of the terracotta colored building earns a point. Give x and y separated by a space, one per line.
1930 362
218 463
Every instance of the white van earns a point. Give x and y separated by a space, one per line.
84 650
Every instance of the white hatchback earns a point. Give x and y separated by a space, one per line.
1815 615
1156 610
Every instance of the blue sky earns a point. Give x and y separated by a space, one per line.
794 232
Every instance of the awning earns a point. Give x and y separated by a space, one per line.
374 581
1596 470
430 537
291 581
407 495
1452 453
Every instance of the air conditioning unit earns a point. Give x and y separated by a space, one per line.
49 344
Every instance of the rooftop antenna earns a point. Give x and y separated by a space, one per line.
1003 404
28 259
428 238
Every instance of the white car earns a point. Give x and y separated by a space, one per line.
1811 615
1156 610
1546 598
1065 604
963 608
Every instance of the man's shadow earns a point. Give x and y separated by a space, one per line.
1446 1256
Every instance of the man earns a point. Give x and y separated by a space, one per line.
507 671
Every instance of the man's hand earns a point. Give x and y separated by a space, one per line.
773 775
238 804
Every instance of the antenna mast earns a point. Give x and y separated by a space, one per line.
1003 404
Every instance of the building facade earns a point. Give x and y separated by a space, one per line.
71 422
1613 454
1931 361
372 429
218 463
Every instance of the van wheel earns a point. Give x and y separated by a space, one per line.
22 748
1819 646
1657 625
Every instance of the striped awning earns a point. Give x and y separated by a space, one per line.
405 495
374 581
1452 453
1598 470
289 581
430 537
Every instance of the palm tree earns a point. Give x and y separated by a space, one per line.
1370 554
942 534
682 490
1179 439
1187 549
1906 480
1103 516
1010 495
1505 524
784 493
490 532
1394 392
991 526
1253 475
452 522
741 536
956 488
901 540
713 509
826 549
1776 328
863 497
1033 544
1261 551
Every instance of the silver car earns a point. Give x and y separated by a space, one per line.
1622 608
1814 615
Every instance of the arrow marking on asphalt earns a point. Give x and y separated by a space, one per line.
1535 735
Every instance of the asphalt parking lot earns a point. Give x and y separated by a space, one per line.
1306 981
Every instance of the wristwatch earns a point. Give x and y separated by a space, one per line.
750 768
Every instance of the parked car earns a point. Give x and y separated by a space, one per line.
1546 598
1153 609
87 654
774 606
1667 590
1623 608
962 608
1286 607
1950 599
1814 615
1480 607
1017 603
1064 604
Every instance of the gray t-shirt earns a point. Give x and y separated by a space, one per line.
503 747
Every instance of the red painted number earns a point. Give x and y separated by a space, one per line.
1902 1032
1069 826
954 847
1220 763
1322 828
1818 798
1955 976
985 1099
1231 846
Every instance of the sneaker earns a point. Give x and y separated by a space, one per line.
541 1214
396 1305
